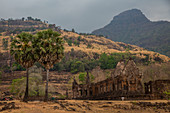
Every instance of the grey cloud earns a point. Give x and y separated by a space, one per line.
82 15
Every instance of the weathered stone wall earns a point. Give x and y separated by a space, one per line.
125 81
157 88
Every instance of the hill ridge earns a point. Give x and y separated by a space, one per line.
90 45
133 27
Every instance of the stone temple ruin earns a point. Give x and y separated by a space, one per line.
125 81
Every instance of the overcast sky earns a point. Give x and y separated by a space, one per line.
82 15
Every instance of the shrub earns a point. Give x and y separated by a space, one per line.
79 38
69 42
36 87
82 77
73 30
77 66
76 43
60 96
89 45
5 44
17 67
167 94
11 38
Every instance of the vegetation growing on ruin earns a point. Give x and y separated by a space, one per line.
82 77
167 94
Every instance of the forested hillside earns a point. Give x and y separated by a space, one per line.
85 52
82 51
133 27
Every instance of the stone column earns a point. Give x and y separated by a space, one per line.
106 87
101 89
88 91
73 93
84 93
93 90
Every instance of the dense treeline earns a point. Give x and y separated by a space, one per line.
78 61
82 64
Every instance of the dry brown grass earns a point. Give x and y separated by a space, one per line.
81 106
100 45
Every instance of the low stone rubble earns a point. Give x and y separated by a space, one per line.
88 106
130 106
69 106
161 105
7 106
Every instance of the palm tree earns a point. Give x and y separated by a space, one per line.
50 49
21 49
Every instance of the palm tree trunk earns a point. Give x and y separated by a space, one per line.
46 90
26 90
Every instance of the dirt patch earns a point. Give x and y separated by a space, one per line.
81 106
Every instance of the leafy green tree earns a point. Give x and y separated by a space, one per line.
73 30
79 38
5 44
11 38
77 66
78 43
107 61
67 65
72 52
17 67
50 48
75 42
69 42
30 18
89 45
90 64
23 19
103 61
22 50
82 77
59 67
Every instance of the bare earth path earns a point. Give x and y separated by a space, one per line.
86 106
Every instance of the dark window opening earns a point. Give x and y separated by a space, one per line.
81 92
86 92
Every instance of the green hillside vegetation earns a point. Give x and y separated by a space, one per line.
134 28
83 52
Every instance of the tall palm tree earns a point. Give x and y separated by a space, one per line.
50 50
21 49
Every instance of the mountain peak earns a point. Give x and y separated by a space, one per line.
133 27
130 16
